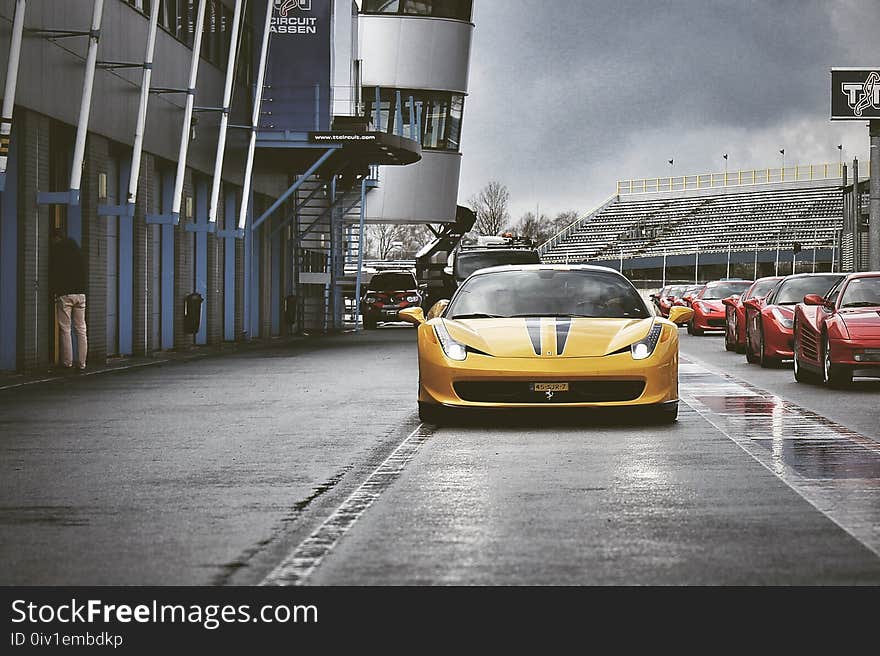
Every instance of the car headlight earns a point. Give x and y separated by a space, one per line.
643 348
369 300
412 299
454 350
781 319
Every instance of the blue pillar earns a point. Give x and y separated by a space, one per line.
275 291
398 114
167 280
201 260
74 221
126 267
251 275
230 207
9 264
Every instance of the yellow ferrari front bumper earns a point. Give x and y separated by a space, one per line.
483 381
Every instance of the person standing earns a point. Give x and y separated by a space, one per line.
67 284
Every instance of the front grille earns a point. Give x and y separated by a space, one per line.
597 391
721 323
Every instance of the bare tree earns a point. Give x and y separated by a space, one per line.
490 206
402 241
541 229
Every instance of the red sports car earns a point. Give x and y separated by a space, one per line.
838 334
735 312
707 305
769 325
667 297
688 295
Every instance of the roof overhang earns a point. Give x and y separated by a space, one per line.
283 151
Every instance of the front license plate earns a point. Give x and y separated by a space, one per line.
390 313
549 387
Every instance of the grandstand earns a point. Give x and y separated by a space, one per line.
711 219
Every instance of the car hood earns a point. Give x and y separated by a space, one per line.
862 322
717 306
568 338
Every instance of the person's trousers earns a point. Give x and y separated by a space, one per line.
72 308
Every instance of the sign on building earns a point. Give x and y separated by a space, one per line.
855 94
297 93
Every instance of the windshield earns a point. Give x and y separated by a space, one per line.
675 291
762 288
389 282
548 293
717 291
467 263
861 292
793 291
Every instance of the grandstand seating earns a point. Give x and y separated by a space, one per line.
741 221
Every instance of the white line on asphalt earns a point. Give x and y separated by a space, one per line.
74 375
859 522
306 557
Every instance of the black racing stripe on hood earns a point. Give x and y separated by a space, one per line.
563 327
534 328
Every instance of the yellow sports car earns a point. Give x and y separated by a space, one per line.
547 335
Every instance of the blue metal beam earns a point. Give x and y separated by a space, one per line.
275 283
167 264
9 264
200 265
229 207
126 267
292 190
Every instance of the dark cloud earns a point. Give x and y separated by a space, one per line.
566 95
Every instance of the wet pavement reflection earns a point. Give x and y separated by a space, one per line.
833 467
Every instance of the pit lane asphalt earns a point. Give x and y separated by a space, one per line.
854 407
216 471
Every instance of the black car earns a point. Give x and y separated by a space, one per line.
469 259
387 294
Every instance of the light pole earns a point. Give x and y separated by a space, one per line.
728 246
782 170
755 277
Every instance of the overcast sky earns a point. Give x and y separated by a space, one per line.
568 96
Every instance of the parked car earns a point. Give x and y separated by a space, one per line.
665 298
708 308
688 295
387 294
838 334
735 312
489 252
770 325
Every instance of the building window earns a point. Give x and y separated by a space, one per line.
441 115
178 18
457 9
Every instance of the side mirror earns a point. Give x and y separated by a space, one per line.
437 309
730 300
414 315
813 299
447 270
679 315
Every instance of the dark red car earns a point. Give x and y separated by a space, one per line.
708 308
387 294
735 312
770 324
838 334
